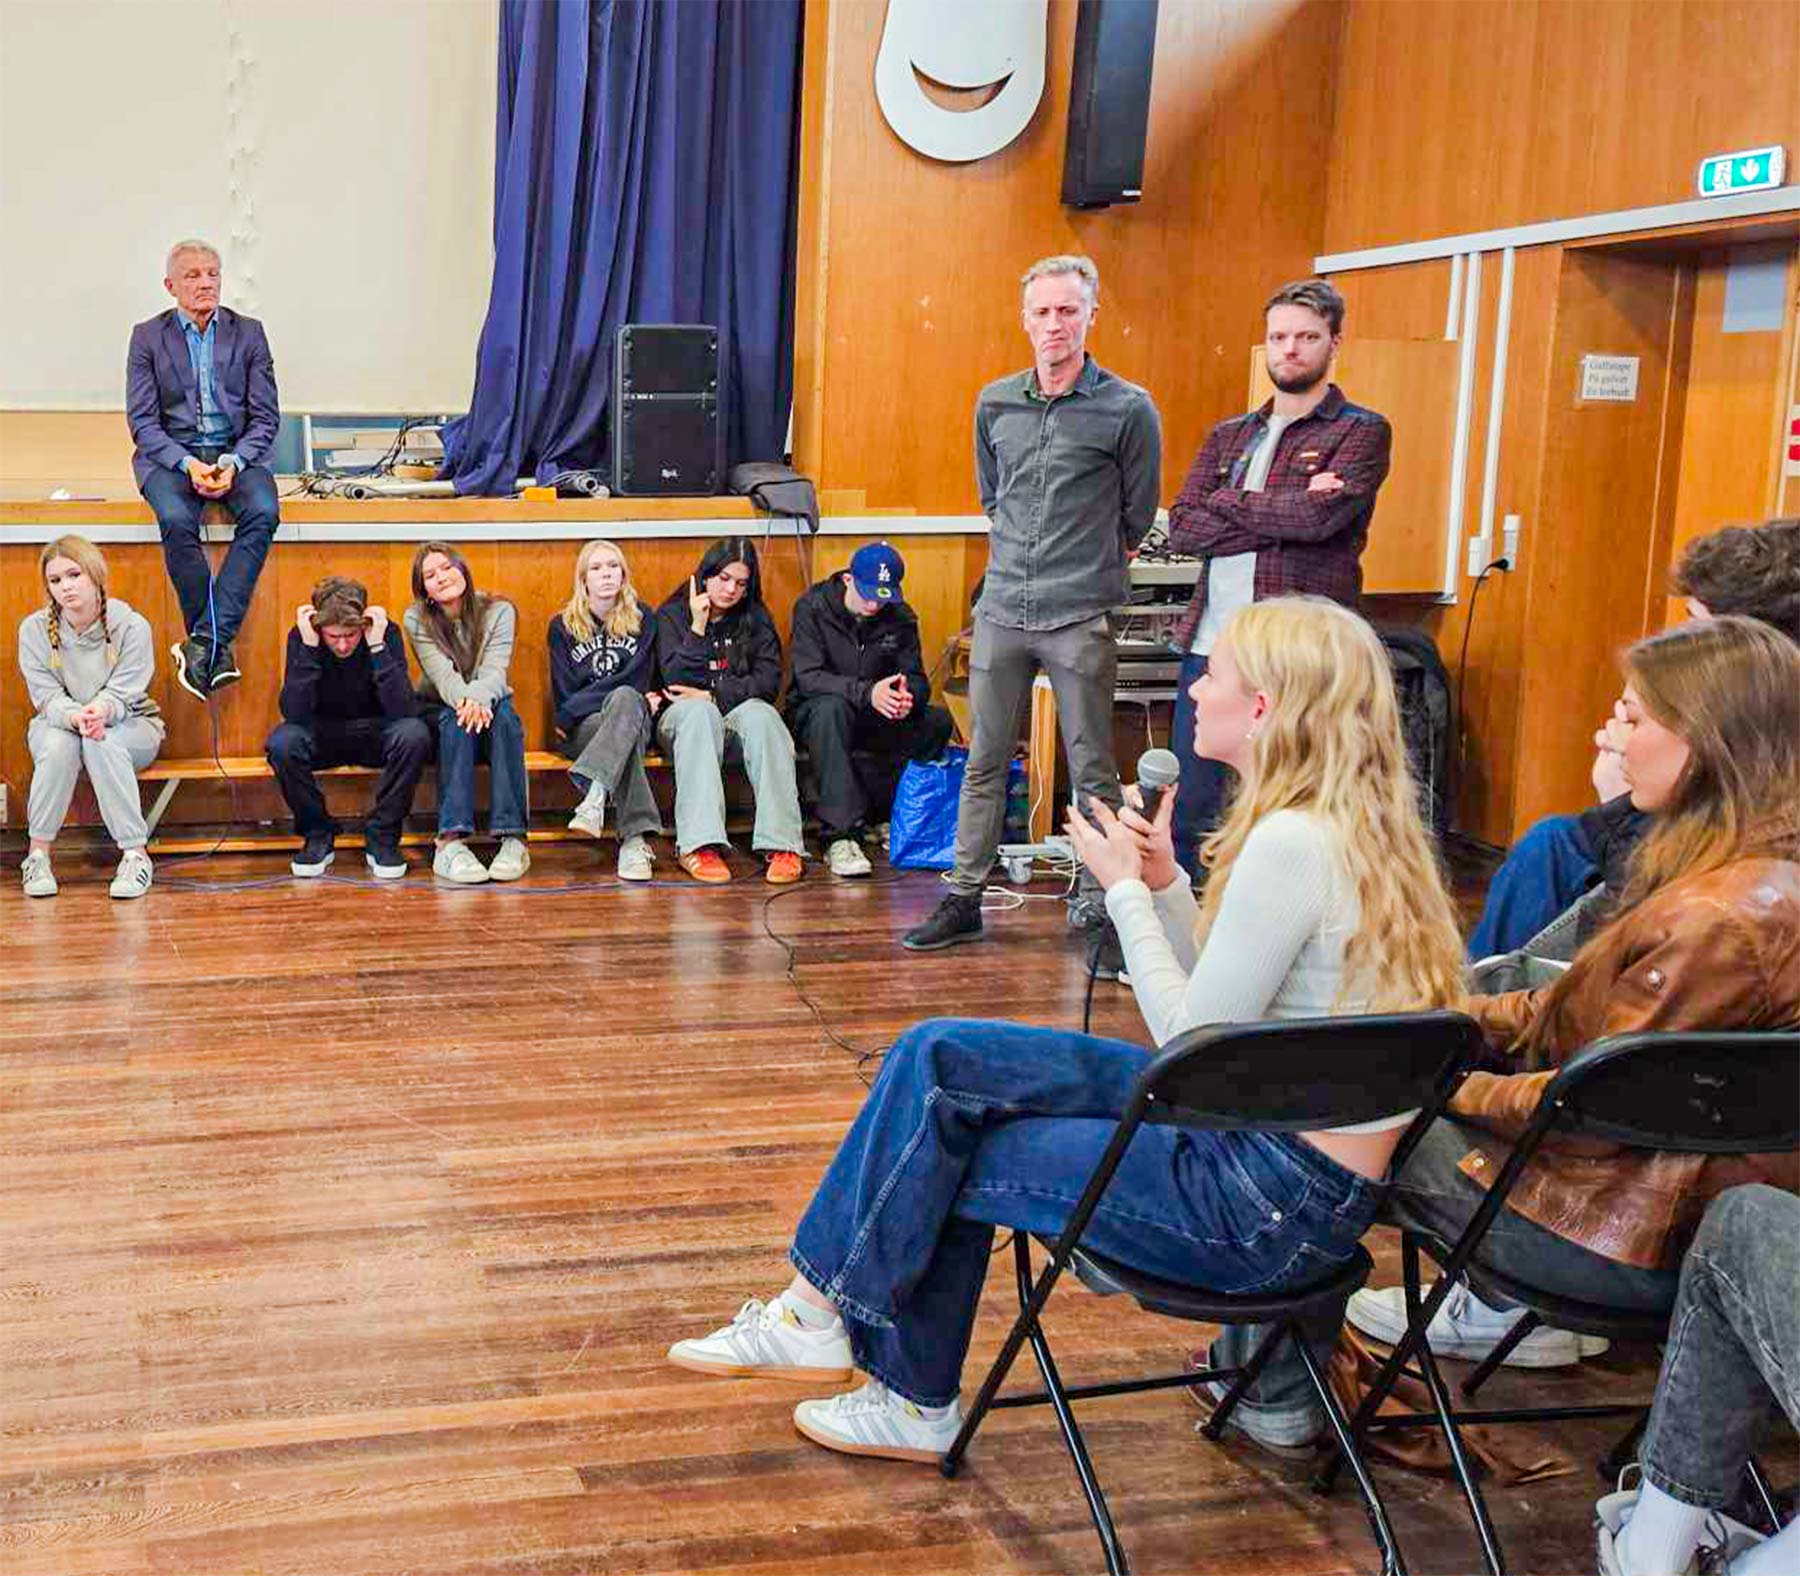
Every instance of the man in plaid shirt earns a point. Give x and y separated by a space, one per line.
1278 501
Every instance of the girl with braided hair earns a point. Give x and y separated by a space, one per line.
87 661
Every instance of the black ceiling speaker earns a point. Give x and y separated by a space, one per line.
665 410
1109 102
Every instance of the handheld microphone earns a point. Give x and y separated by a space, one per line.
1157 772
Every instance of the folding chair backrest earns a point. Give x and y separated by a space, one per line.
1293 1075
1696 1092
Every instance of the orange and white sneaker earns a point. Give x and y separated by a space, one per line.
704 864
783 869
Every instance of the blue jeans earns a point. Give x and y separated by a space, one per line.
214 608
1548 868
502 745
1200 797
973 1125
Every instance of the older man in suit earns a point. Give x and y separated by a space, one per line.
200 397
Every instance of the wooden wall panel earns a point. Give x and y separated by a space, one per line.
908 270
1462 115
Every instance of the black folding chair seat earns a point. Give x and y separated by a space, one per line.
1294 1076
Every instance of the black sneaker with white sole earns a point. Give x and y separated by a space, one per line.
956 919
192 666
224 670
381 851
315 858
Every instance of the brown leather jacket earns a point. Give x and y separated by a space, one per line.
1714 951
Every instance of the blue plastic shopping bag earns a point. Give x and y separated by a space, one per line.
922 828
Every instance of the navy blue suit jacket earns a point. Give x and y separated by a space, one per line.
162 402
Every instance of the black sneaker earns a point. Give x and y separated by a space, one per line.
316 856
381 851
192 672
957 918
224 670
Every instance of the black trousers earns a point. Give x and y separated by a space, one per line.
854 757
400 746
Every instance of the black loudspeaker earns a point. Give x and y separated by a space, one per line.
1109 102
665 409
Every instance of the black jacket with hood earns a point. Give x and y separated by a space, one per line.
837 653
738 658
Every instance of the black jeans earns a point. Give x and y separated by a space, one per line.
400 746
214 608
854 757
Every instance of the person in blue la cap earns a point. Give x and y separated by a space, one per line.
858 703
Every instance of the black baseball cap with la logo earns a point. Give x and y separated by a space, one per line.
877 571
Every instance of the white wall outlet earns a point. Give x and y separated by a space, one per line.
2 804
1509 539
1481 550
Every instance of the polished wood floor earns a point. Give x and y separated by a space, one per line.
343 1228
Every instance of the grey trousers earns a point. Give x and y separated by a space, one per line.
607 747
1734 1342
112 763
696 737
1082 661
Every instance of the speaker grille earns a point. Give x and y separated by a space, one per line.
665 409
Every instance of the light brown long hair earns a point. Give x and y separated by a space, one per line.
1730 688
459 636
1331 745
627 614
78 550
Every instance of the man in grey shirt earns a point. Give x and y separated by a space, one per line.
1069 461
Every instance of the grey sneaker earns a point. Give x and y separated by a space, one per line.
40 879
590 814
845 858
511 862
636 862
457 862
132 879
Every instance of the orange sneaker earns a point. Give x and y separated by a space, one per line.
704 864
783 870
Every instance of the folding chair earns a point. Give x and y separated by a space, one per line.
1684 1093
1279 1077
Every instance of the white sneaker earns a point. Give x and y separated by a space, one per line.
846 858
1722 1540
767 1339
40 879
513 860
636 862
1468 1328
590 814
873 1421
132 879
457 862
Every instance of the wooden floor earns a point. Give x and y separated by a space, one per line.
343 1228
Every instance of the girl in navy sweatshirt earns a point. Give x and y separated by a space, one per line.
603 683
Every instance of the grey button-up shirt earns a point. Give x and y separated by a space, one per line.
1068 485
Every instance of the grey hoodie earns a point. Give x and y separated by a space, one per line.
87 671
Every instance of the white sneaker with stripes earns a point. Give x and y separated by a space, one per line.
767 1340
873 1421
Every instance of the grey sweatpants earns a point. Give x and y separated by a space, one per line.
695 735
1082 661
112 764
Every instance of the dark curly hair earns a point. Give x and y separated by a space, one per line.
1748 569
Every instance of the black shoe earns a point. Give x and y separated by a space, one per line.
224 670
192 671
381 851
957 918
315 858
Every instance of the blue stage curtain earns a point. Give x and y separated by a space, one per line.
644 173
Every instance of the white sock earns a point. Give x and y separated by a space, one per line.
810 1318
595 798
935 1414
1781 1553
1661 1536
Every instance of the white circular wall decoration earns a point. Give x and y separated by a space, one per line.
962 44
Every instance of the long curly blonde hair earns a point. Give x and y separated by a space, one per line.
1331 745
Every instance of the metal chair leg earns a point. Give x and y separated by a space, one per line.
1459 1462
1392 1564
1503 1349
1214 1426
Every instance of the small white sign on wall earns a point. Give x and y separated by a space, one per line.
1611 378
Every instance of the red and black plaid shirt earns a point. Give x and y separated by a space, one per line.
1304 542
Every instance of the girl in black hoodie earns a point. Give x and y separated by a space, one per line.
719 655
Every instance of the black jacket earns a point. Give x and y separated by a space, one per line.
320 690
583 673
738 658
837 653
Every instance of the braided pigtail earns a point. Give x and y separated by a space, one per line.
112 650
55 617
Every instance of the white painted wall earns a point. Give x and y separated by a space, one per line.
339 152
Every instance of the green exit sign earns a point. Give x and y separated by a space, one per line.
1753 170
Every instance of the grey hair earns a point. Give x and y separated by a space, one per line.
1065 263
191 244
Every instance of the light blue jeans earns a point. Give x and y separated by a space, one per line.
697 739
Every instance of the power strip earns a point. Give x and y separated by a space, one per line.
1019 857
